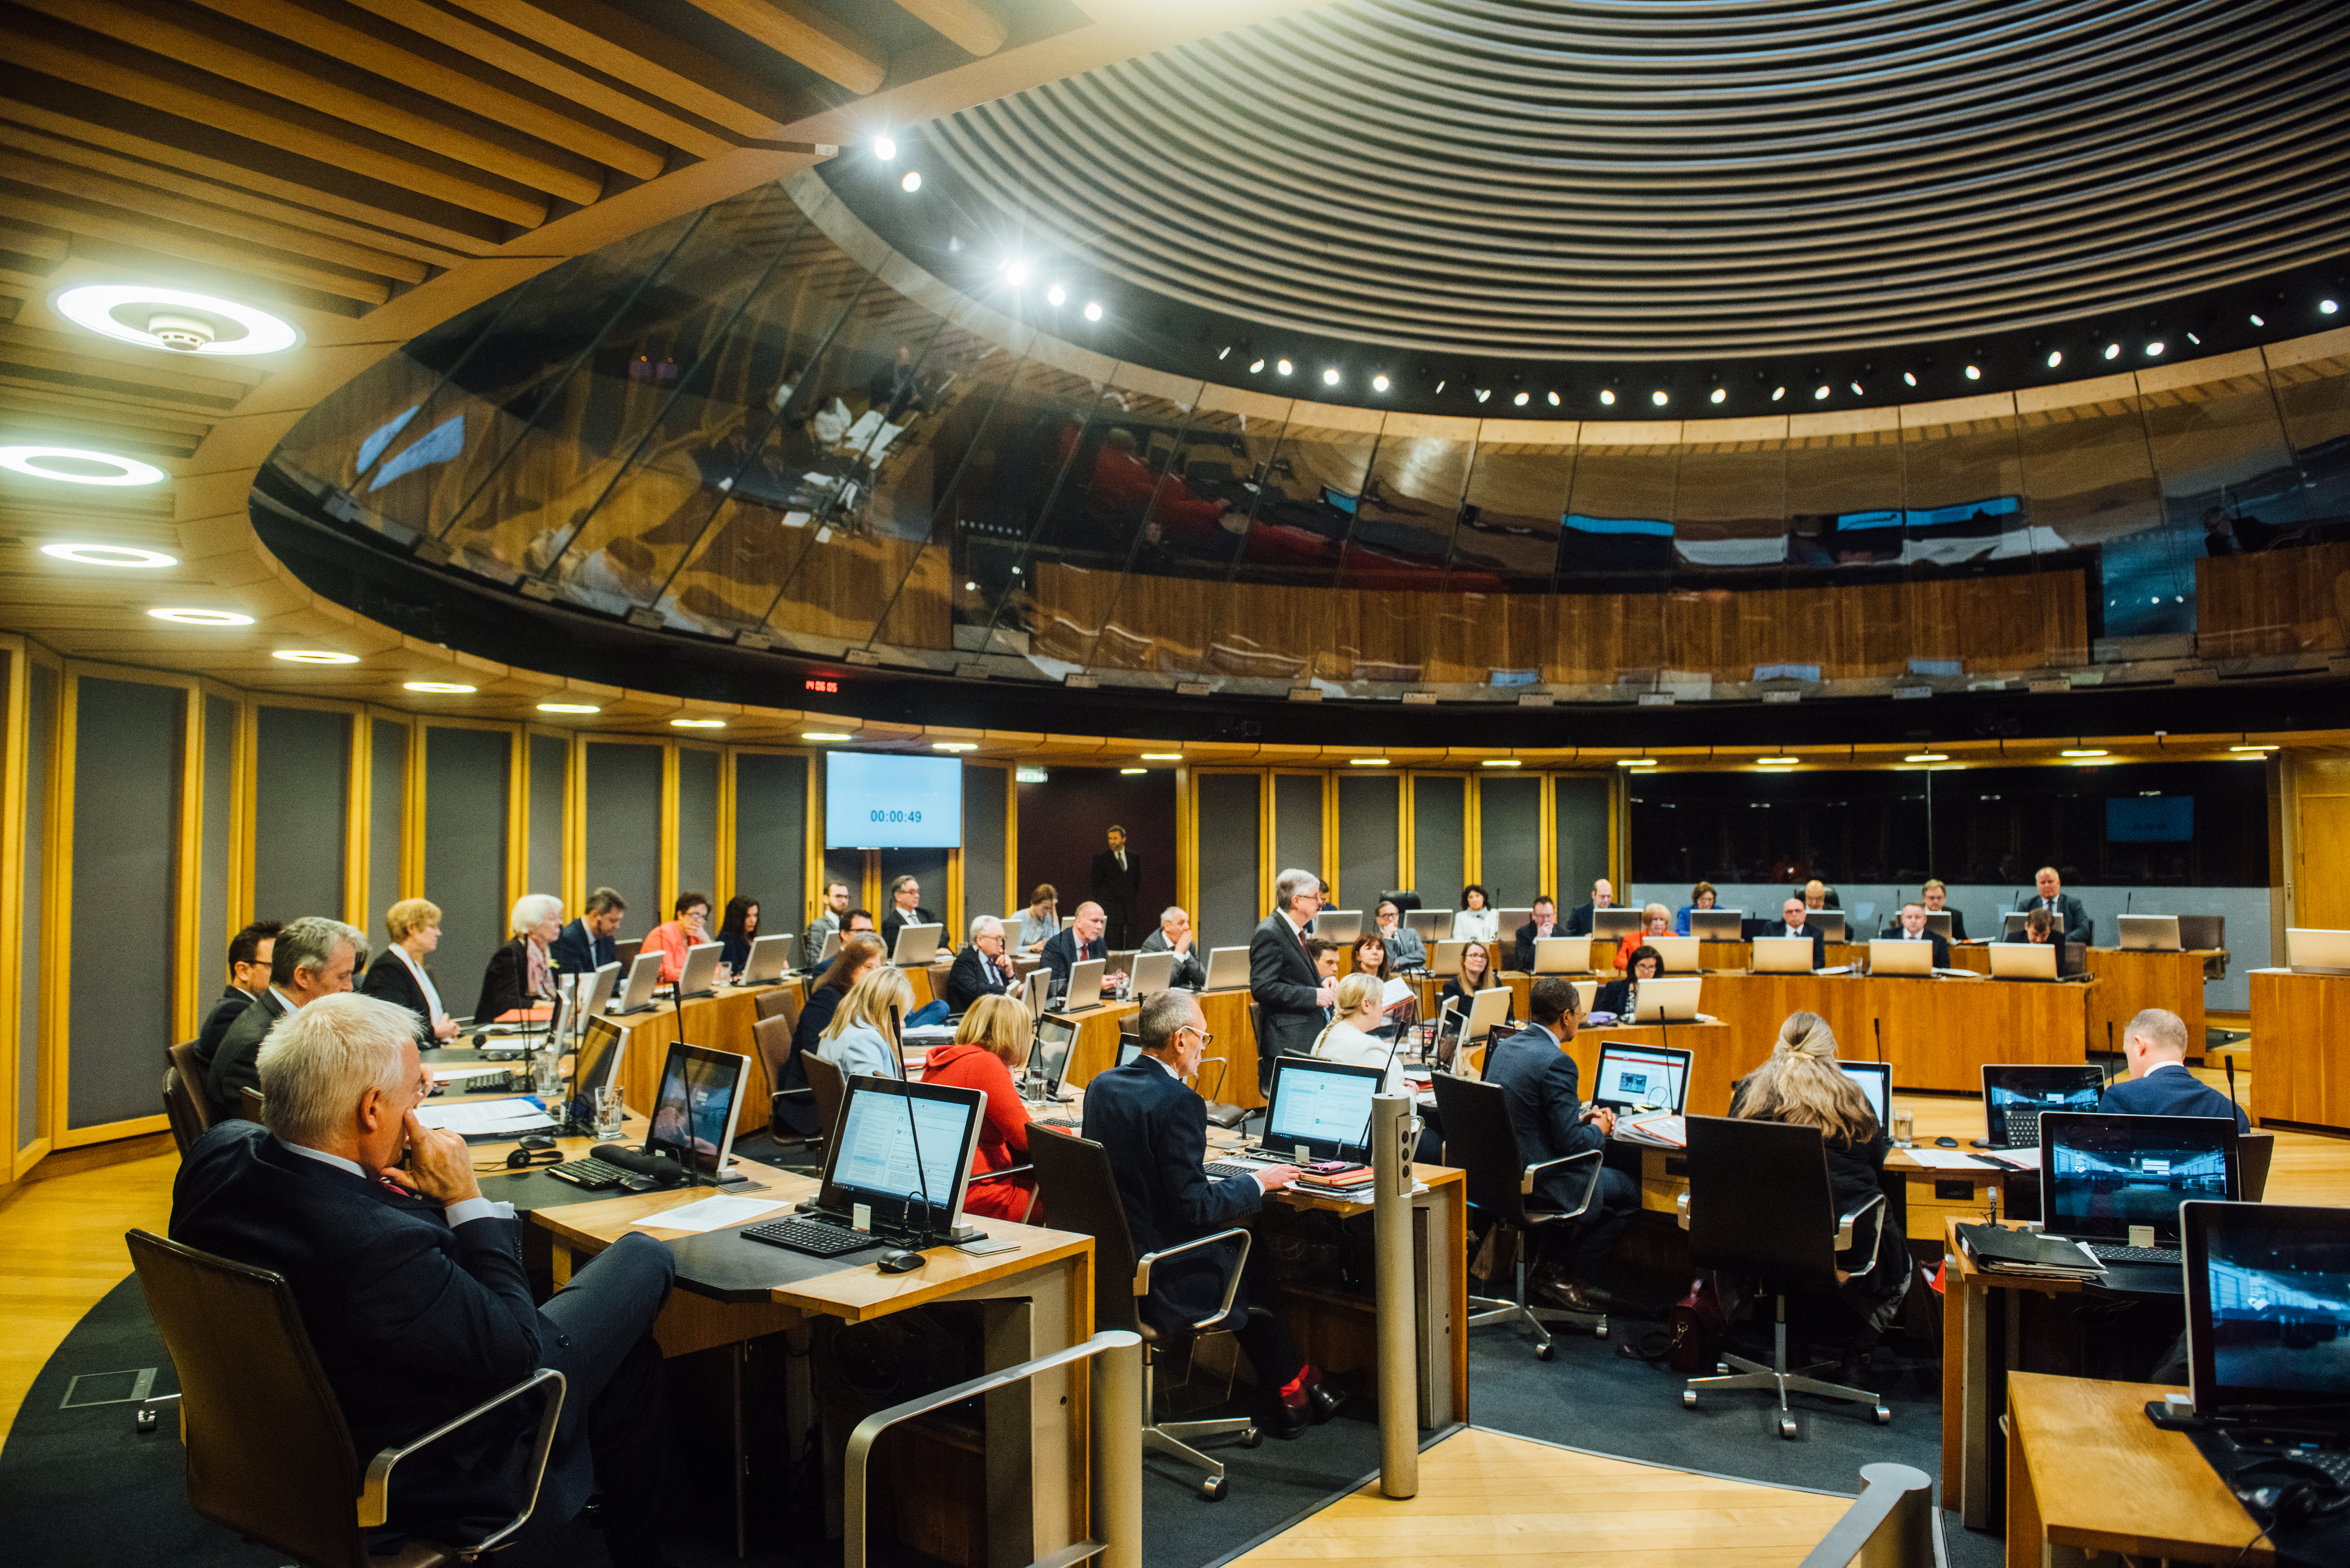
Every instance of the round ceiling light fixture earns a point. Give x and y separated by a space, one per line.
884 147
440 687
1093 310
911 182
202 616
1379 384
77 465
1660 398
1056 295
110 555
314 655
173 320
1330 377
1607 397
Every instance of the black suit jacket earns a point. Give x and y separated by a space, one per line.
230 1069
974 977
895 921
412 1323
1155 1133
389 979
1578 921
1538 1079
1285 985
1818 934
573 951
1116 891
1522 956
504 982
1188 972
226 1012
1941 944
2068 913
2171 1092
1063 954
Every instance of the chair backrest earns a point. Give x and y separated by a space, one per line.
831 1088
773 1035
190 1118
1480 1140
1759 1201
253 1101
2253 1153
269 1455
1079 1190
783 1000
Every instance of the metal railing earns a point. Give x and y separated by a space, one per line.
1117 1421
1891 1526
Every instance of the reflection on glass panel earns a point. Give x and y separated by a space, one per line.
2089 481
2275 579
1312 482
1510 519
2219 447
1615 566
1835 486
1148 527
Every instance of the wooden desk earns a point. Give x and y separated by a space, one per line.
1094 1050
2088 1472
1227 1015
2129 981
1936 1034
1713 1048
2301 1048
721 1021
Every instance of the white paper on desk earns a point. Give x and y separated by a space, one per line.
2021 1159
511 1118
1395 991
710 1214
796 519
867 423
1946 1159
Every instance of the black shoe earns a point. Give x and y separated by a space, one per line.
1570 1295
1284 1421
1323 1401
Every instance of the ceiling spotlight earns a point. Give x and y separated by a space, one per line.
124 312
1974 372
1282 366
1256 367
2084 752
1520 400
1016 273
912 181
1718 395
2329 305
2258 322
1927 757
440 688
1440 386
1130 771
1607 397
954 745
314 656
2197 342
1659 398
1502 763
823 735
1554 400
568 708
1857 392
697 724
1777 393
2056 358
1093 310
1819 394
1056 295
2154 349
1909 379
2113 351
1483 393
884 149
109 555
77 466
202 616
1379 384
971 587
1330 377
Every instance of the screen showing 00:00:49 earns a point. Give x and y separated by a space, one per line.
892 803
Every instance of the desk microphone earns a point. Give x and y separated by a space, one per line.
1876 1027
921 1235
2230 1063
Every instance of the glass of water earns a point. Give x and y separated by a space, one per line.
1905 1129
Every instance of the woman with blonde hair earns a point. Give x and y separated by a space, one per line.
1656 920
1348 1036
990 1043
860 954
398 975
860 1039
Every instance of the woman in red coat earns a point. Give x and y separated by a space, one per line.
989 1044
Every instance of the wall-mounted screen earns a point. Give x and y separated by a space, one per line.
2149 819
873 802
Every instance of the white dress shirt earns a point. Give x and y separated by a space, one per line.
462 1212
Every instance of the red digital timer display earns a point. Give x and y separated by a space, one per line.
814 685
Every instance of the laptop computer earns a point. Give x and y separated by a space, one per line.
699 975
831 949
2308 952
2011 923
2268 1323
2023 961
625 950
2014 1096
1049 1057
1443 959
1717 925
644 975
1830 923
1615 925
770 957
1630 1078
1129 1046
901 1156
2099 1176
600 986
693 1110
1893 955
1152 972
1338 925
1315 1110
1036 990
1939 923
1085 987
1876 1081
1227 969
1781 955
1667 999
1677 955
596 1064
1431 925
1560 955
1507 921
2150 934
1488 1010
917 945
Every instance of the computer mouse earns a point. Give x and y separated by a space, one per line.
898 1261
634 1183
1946 1143
535 1141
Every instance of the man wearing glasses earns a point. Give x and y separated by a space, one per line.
1155 1130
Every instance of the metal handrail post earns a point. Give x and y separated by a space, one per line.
1392 1126
1891 1526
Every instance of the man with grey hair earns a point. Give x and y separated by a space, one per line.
981 969
1174 936
1293 998
2155 1046
314 956
412 1287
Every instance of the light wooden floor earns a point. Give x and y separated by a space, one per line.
1492 1499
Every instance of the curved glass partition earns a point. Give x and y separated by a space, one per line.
732 427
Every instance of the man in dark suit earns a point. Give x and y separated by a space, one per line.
1174 936
1911 927
311 958
906 909
1079 942
1118 887
1155 1131
585 945
1603 897
1537 1076
1545 924
248 976
412 1287
981 969
2048 893
2155 1046
1793 922
1937 896
1293 996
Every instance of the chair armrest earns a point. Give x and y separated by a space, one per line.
1848 1226
789 1093
1223 1062
1594 1156
1009 1170
375 1491
1143 1264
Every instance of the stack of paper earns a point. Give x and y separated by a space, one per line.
488 1118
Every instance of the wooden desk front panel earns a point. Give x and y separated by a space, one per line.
2301 1047
722 1023
1936 1034
1712 1052
2128 982
1227 1015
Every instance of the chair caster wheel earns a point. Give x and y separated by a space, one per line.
1787 1428
1885 1414
1252 1437
1689 1397
145 1420
1600 1332
1721 1369
1544 1351
1212 1488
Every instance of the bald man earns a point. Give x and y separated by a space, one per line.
1081 941
2155 1046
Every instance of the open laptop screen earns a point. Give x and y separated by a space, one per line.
2268 1306
2101 1175
1325 1105
1630 1075
2014 1095
1054 1037
1876 1081
872 1160
595 1066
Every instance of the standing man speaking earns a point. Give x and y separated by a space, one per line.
1117 889
1292 998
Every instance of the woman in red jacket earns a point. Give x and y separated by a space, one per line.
989 1044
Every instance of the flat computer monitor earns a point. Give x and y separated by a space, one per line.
1667 999
699 975
1228 969
915 946
1876 1081
694 1111
1783 955
1831 923
1443 959
1893 955
644 977
1488 1010
596 1064
2101 1175
2310 952
1129 1046
1615 925
1716 925
600 989
1560 955
1641 1077
1340 926
1084 986
624 951
1939 923
904 1151
1322 1107
2011 923
1050 1058
1036 990
1430 925
2268 1308
770 957
1152 972
2023 961
2014 1095
2149 933
1507 921
1677 955
831 948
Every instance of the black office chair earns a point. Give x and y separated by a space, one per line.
1079 1193
190 1118
268 1452
1480 1139
1406 899
1760 1205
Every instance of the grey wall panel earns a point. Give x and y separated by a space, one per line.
130 743
623 820
1509 843
985 794
219 814
386 816
1439 838
1370 822
550 759
40 752
465 783
1298 824
771 838
697 827
1228 842
1581 823
301 791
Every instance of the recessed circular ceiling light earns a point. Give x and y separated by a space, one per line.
1659 398
1520 400
1974 372
1777 393
1330 377
1016 273
1282 366
314 656
1909 378
2155 347
2258 322
884 149
76 465
1256 366
440 688
126 313
2329 305
1718 395
1857 392
912 181
1093 310
202 616
109 555
2056 358
568 708
1379 384
1819 394
1607 397
1056 295
697 724
2113 351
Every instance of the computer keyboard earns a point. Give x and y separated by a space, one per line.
594 1175
817 1238
1219 1169
1064 1123
2110 1254
2021 1128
